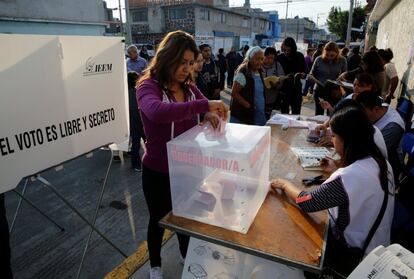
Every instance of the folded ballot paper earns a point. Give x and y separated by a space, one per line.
393 261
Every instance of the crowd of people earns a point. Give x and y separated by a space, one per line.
181 87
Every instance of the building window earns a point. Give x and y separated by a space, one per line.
178 13
245 23
223 18
141 15
205 14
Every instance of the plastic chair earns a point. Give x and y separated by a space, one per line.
405 109
403 221
408 153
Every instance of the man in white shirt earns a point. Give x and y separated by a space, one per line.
391 76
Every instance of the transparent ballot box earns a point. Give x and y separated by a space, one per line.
217 178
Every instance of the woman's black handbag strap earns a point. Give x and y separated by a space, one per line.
376 223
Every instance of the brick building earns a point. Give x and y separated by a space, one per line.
211 21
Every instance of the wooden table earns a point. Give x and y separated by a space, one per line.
281 232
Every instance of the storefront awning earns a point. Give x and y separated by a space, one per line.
223 34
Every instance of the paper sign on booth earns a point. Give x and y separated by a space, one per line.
62 96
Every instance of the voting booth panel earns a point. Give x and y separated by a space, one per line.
61 97
220 179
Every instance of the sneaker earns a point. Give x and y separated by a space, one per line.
156 273
137 169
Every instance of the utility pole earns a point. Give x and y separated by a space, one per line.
317 19
120 18
287 8
297 30
348 30
128 22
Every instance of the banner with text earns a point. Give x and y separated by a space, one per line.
61 97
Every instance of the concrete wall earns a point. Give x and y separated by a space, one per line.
18 27
396 31
238 24
67 10
58 17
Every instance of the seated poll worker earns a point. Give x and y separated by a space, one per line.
389 122
363 82
326 140
169 106
354 193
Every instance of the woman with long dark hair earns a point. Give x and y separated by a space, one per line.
293 63
169 106
371 64
354 193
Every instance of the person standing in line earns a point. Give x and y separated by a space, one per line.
136 130
222 65
308 88
248 96
231 59
197 77
391 75
272 68
144 53
354 59
318 52
328 66
134 62
241 55
5 265
169 106
293 64
344 52
211 73
370 63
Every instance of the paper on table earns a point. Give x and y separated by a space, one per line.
310 157
290 121
382 264
318 118
403 254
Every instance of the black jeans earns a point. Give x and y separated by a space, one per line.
157 192
5 269
319 93
230 76
291 102
136 132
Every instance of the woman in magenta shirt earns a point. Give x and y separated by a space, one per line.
169 106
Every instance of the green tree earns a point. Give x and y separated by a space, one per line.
338 20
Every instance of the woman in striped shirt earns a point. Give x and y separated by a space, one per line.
354 192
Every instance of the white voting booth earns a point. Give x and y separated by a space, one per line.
61 97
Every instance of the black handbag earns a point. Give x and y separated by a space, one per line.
340 258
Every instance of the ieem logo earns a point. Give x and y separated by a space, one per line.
92 68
